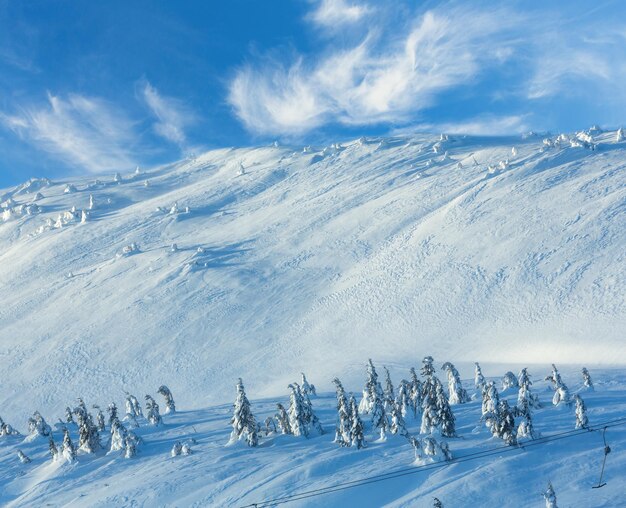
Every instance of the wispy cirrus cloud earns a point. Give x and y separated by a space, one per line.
379 80
336 13
172 115
84 132
402 67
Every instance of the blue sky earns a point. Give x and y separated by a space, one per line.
97 87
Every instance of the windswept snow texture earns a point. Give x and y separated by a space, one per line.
312 260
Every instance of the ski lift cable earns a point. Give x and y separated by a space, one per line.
417 469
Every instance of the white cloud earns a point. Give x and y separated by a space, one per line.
171 114
334 13
84 132
487 125
373 82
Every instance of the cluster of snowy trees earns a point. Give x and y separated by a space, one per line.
384 408
93 431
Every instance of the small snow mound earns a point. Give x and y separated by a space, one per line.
128 250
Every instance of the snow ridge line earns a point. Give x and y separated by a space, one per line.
418 469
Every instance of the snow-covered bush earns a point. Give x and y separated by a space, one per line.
23 458
37 425
509 381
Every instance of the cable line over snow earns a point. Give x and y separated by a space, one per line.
418 469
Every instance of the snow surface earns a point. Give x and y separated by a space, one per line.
219 475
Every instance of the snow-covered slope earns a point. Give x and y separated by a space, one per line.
236 476
311 260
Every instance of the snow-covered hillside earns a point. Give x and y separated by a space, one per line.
506 250
483 471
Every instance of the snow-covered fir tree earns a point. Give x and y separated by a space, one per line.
501 423
131 441
561 392
132 406
68 450
587 382
270 426
525 392
403 400
398 425
170 407
357 436
152 411
445 418
52 449
69 416
282 418
388 393
306 387
491 398
344 420
457 394
550 496
582 422
415 394
37 425
7 430
437 503
509 381
479 379
118 436
100 423
372 390
310 418
112 410
296 412
620 136
526 427
243 422
24 459
88 435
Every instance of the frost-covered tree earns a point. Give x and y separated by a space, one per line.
550 496
435 449
37 425
118 436
270 426
491 398
525 391
372 390
7 430
296 412
509 381
561 392
582 422
306 387
388 393
357 437
243 422
132 406
415 394
23 457
100 423
398 426
69 417
587 382
437 503
131 442
479 379
152 411
52 449
526 427
282 418
112 410
88 435
403 400
457 394
186 450
68 450
170 407
445 418
344 420
501 423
